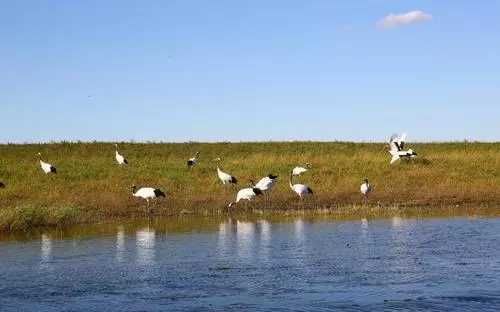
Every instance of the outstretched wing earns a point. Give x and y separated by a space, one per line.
402 140
393 143
397 142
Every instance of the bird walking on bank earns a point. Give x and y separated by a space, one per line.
300 170
46 167
147 193
300 189
365 189
267 183
225 177
193 160
396 145
248 194
120 159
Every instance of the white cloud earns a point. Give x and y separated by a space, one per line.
395 20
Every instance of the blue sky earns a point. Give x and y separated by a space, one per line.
248 70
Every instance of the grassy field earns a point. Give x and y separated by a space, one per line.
90 187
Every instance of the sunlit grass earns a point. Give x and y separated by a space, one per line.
89 180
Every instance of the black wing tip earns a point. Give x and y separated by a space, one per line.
53 169
272 176
2 185
159 193
310 191
257 191
234 180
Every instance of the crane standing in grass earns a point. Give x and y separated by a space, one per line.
120 159
300 189
300 170
193 160
46 167
365 189
267 183
225 178
248 194
147 193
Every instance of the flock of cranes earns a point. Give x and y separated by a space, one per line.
263 186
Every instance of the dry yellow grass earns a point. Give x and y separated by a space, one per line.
90 186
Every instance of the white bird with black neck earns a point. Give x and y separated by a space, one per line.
120 159
147 193
300 170
300 189
247 194
46 167
193 160
267 183
224 177
365 188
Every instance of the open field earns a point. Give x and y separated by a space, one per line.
91 187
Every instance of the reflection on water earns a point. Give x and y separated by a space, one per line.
297 264
364 223
145 246
397 222
265 239
245 232
45 251
299 231
244 238
120 244
265 231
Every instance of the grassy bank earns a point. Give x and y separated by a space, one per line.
90 186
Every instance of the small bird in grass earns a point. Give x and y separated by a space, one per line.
396 145
300 189
193 160
366 189
46 167
120 159
147 193
225 178
300 170
267 183
248 194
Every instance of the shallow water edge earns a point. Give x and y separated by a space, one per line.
188 222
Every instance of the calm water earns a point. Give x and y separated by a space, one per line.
232 265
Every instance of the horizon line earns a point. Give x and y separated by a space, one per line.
235 142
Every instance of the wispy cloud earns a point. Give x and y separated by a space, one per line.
396 20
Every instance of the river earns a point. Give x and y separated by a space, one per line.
295 264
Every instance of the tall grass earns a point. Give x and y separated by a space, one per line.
89 180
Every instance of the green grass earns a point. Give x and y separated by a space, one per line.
91 187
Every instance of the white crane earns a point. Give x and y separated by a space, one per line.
225 178
300 189
248 193
365 188
193 160
147 193
267 183
120 159
396 144
300 170
46 167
